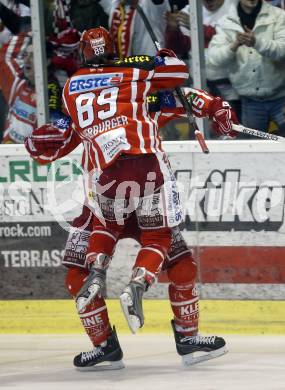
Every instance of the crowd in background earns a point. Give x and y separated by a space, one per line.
244 45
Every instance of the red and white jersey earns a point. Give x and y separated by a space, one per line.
200 104
108 105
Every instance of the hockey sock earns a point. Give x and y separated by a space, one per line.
150 258
154 247
95 321
183 296
95 318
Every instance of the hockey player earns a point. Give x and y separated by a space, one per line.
179 265
107 102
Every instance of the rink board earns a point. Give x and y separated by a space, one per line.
233 201
216 317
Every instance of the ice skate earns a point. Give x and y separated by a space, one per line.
102 357
197 349
131 303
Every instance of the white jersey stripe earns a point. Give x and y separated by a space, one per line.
9 55
156 141
148 119
171 75
64 100
135 109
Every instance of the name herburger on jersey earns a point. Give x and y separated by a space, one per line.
85 83
108 124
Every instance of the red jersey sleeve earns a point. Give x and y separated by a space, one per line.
200 104
169 73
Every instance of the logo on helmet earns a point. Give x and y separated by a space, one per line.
97 42
98 45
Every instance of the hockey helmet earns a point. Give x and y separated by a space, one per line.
96 46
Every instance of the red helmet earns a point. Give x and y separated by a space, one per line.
96 46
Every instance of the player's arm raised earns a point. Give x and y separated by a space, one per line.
169 71
203 105
214 108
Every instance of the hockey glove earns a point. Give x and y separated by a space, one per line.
46 138
223 117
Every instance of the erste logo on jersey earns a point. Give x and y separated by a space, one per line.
85 83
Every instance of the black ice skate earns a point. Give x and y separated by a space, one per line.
103 357
131 303
206 347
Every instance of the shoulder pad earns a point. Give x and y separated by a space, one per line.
140 61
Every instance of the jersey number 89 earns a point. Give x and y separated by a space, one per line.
86 108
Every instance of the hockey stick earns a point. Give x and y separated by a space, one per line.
257 133
199 136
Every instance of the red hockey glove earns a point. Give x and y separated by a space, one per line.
46 138
223 117
166 53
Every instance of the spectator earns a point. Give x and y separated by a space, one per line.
5 34
86 14
16 15
79 14
277 3
128 29
131 37
250 41
177 39
65 37
65 58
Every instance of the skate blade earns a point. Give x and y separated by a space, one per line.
190 359
104 366
132 320
82 302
